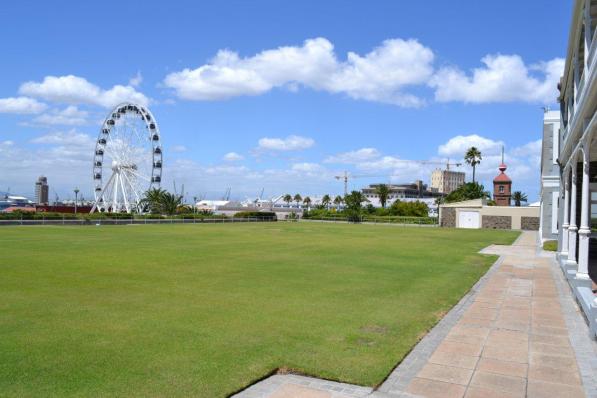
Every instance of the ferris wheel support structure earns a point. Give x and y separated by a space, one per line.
129 149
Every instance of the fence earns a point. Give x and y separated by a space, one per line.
397 220
134 221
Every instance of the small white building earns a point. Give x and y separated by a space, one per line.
476 214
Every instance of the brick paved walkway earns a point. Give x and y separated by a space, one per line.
511 342
507 338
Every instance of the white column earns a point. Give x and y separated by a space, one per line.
588 37
572 229
566 220
575 78
584 233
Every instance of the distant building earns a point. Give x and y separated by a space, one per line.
446 181
404 192
10 203
63 208
41 190
550 175
502 187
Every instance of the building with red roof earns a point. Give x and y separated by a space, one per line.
502 187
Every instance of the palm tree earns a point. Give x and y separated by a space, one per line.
382 191
338 201
287 198
473 157
152 201
297 199
354 203
307 201
518 197
325 201
170 203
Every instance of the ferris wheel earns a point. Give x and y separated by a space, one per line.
127 159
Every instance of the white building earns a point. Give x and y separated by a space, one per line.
550 176
577 149
446 181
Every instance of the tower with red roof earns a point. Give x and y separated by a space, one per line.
502 186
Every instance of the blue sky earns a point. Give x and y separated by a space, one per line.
280 96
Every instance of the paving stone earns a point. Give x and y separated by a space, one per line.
468 320
541 348
479 392
541 389
435 389
505 368
548 330
454 359
460 348
553 361
513 354
553 375
547 339
512 325
482 313
507 342
509 334
448 374
296 391
497 382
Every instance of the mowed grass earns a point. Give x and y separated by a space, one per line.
204 310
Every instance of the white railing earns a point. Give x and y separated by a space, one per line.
592 48
134 221
581 86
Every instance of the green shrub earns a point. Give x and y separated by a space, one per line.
550 245
409 209
269 215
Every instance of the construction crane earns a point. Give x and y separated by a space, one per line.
56 199
346 175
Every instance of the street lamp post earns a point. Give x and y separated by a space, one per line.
194 205
76 198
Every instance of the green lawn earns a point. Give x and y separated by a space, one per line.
205 310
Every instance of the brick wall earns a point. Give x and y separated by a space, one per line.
497 222
529 223
448 217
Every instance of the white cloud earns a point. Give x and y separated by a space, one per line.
523 161
64 157
504 78
307 167
354 156
6 144
381 75
68 138
136 80
178 148
458 145
233 157
211 181
77 90
290 143
21 105
70 116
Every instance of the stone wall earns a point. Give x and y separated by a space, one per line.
448 217
497 222
529 223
